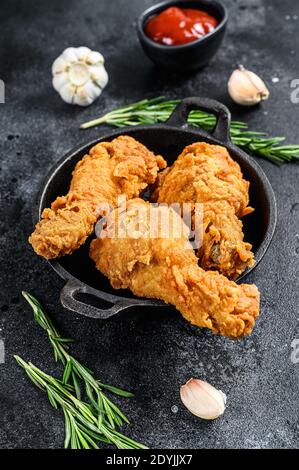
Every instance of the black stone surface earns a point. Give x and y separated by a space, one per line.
150 352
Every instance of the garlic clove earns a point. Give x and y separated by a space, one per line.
246 88
69 54
81 97
99 75
60 80
67 93
95 57
59 65
82 53
202 399
93 90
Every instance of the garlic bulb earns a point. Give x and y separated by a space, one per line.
202 399
79 75
246 88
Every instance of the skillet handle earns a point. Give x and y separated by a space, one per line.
69 301
180 115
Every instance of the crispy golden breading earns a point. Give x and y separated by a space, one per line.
167 269
207 174
123 166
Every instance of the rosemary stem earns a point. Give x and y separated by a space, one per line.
150 111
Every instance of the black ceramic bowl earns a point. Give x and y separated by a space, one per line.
192 55
87 291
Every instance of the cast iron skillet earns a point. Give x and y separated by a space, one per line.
86 287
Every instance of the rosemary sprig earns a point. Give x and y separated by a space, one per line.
85 423
82 427
158 110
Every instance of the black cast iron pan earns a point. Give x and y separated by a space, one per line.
84 283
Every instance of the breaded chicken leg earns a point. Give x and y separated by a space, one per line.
121 167
154 264
206 174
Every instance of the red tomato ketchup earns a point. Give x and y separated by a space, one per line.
175 26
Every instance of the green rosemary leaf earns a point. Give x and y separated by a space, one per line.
89 392
63 340
55 355
67 372
89 439
79 369
116 390
116 410
67 429
100 410
96 435
109 414
52 399
74 441
76 386
34 380
81 439
118 422
131 442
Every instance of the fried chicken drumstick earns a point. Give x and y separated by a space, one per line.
123 166
167 268
207 174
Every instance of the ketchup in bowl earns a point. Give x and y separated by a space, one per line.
175 26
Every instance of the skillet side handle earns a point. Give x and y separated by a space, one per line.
179 117
69 301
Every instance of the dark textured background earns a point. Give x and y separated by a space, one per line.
150 352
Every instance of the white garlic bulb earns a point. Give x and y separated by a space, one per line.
202 399
246 88
79 75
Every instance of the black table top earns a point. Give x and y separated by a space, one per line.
151 352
